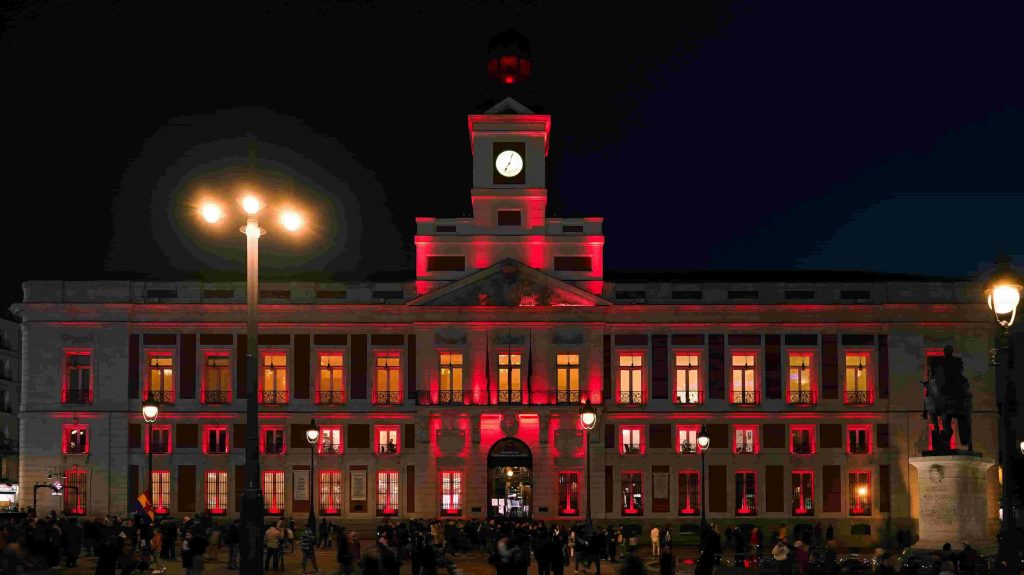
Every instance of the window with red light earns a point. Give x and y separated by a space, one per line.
688 388
858 439
746 493
802 386
215 439
860 493
632 493
387 380
76 491
160 376
387 493
387 439
330 381
744 439
510 378
330 492
689 493
330 440
801 439
451 493
569 493
161 492
272 440
931 434
856 381
76 439
273 492
803 493
631 378
217 491
686 439
158 440
77 377
274 377
743 390
216 378
631 439
450 378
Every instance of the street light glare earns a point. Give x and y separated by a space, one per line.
292 221
251 204
211 213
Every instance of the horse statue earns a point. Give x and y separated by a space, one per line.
947 396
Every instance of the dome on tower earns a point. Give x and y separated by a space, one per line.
508 57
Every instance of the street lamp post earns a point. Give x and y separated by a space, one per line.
251 529
1003 296
703 442
150 410
312 435
588 419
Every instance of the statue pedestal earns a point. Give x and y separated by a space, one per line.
953 498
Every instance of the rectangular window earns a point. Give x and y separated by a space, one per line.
802 388
274 378
75 494
801 439
446 263
510 378
161 492
216 382
567 376
450 379
572 264
160 376
744 439
215 439
744 379
510 217
158 439
688 390
273 492
631 378
76 439
451 493
803 493
746 493
686 439
387 493
272 440
632 493
858 439
860 493
631 440
856 384
217 491
77 377
330 382
330 440
689 493
569 493
387 440
330 492
388 379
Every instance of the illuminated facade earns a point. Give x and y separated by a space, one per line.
10 374
456 393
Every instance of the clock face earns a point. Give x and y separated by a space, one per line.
509 163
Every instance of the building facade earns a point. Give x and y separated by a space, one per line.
457 393
10 374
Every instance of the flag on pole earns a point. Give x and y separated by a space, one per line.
144 505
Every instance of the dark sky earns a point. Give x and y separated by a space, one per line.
799 135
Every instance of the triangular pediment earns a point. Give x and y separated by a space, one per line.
509 283
509 106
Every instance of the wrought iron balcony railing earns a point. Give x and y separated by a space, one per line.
275 448
388 397
744 448
274 397
568 397
859 448
330 449
330 397
744 397
387 449
803 448
631 398
450 397
163 396
631 449
79 396
159 448
216 397
508 396
798 397
688 447
857 397
688 397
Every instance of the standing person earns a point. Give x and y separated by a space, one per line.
272 541
816 541
655 542
780 553
308 543
287 534
230 539
198 546
556 554
74 535
216 534
344 553
830 534
156 545
802 557
325 534
666 562
614 536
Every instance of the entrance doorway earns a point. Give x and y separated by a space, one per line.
510 479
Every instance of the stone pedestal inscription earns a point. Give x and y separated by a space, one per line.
953 499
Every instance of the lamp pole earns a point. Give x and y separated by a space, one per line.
703 442
150 410
312 435
588 419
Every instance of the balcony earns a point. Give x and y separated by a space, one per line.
216 397
78 396
330 398
330 449
741 448
688 447
688 397
860 448
857 398
275 448
163 397
509 396
387 449
631 449
631 398
797 397
802 448
568 397
159 447
388 397
744 397
274 397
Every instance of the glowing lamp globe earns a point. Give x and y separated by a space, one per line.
291 221
588 417
251 204
1022 446
211 213
150 409
703 439
1003 293
862 491
312 433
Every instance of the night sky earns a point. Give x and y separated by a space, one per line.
881 136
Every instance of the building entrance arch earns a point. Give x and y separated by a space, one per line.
510 479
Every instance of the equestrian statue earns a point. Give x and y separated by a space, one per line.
947 396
